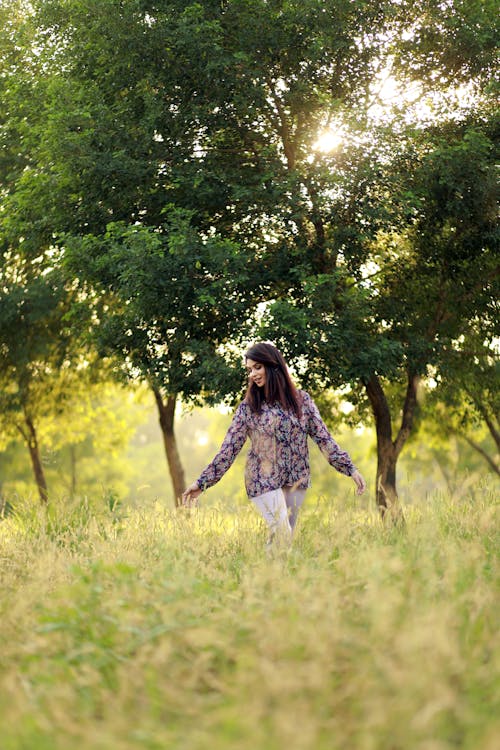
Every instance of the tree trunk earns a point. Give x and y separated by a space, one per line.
388 450
36 461
386 490
166 413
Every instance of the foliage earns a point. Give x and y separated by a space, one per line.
84 448
466 395
453 41
171 301
38 347
169 157
431 276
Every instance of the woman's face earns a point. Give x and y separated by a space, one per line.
256 372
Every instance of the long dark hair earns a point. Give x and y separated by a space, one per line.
279 387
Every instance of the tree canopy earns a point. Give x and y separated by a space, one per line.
197 173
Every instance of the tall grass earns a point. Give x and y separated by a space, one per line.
155 629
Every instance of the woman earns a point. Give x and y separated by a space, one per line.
277 418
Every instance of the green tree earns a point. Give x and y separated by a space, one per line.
431 280
93 168
466 395
42 362
210 107
172 302
41 359
83 446
455 42
215 108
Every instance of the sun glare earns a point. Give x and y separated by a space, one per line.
328 140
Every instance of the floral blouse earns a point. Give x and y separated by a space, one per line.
278 456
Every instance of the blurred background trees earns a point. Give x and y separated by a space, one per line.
195 175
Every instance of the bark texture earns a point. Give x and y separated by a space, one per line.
166 412
389 449
36 461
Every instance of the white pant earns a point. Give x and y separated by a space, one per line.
280 508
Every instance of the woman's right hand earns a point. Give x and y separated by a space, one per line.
191 495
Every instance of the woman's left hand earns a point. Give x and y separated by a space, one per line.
359 482
190 495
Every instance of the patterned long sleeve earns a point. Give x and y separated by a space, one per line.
231 446
318 431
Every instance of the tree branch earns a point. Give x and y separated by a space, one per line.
483 412
481 452
409 407
493 430
284 131
24 436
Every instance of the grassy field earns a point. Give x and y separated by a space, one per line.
154 629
